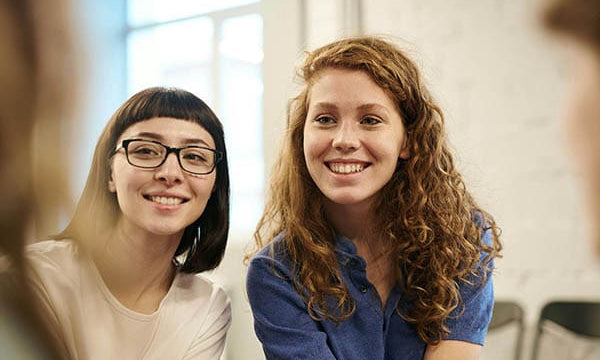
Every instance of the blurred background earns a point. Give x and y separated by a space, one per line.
496 75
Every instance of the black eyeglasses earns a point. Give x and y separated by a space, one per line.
149 154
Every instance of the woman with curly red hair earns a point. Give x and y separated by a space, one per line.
370 245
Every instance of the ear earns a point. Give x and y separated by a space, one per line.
111 184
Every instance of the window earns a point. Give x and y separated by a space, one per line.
213 49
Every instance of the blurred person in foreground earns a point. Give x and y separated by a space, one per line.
578 24
38 74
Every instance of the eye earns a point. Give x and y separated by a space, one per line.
324 119
198 155
370 120
144 150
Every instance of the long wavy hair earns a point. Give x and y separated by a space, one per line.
430 222
203 242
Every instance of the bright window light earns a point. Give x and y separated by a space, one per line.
213 49
142 12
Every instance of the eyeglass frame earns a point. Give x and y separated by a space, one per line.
125 144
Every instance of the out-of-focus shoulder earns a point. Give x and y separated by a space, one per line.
56 253
51 248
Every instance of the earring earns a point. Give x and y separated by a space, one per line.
198 235
196 240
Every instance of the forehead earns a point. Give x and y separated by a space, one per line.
345 86
171 131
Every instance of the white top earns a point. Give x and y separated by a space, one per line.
190 323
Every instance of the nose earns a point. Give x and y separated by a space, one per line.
170 171
346 137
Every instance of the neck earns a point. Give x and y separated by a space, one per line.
356 223
351 221
137 269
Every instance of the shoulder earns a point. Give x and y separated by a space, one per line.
470 321
52 249
271 276
197 285
54 271
200 294
195 314
273 258
484 224
275 251
51 256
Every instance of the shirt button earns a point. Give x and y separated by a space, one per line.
353 263
363 289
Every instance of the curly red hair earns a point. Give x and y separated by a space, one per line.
431 223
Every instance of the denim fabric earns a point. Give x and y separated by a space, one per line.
287 332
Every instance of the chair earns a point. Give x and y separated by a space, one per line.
505 332
568 330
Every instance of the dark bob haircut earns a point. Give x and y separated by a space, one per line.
203 242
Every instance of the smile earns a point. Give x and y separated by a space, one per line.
164 200
345 168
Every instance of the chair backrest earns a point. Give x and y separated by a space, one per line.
505 312
505 332
575 323
580 317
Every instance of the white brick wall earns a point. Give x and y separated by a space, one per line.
500 82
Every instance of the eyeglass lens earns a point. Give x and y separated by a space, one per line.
147 154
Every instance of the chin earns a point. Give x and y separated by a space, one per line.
165 230
348 199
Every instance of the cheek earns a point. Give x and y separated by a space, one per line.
310 145
213 186
117 179
390 146
122 174
204 188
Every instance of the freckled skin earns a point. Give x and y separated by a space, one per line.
351 120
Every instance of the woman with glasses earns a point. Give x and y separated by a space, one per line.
120 281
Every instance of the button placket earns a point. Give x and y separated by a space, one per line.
357 277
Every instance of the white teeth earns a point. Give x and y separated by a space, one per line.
166 200
345 168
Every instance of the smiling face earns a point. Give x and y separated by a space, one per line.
353 137
163 200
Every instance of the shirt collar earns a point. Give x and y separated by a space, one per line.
345 249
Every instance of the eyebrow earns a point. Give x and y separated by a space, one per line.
363 107
158 137
373 106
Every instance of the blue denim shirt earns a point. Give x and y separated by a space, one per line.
286 330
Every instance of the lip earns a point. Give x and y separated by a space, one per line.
166 199
346 166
